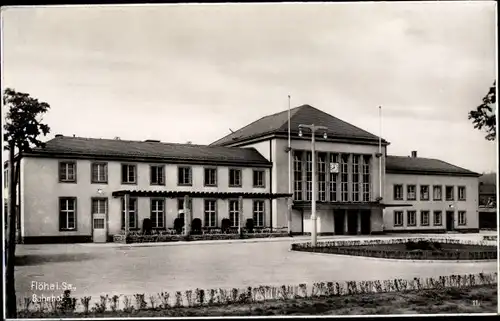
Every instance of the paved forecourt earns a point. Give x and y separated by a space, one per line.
93 270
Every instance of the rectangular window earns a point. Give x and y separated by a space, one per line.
411 192
98 223
424 192
234 213
259 178
438 220
234 177
398 218
309 176
67 172
129 174
99 206
450 193
398 192
344 177
210 178
67 214
462 218
258 213
321 177
424 218
157 175
412 218
99 173
333 178
157 213
184 176
437 193
461 193
297 175
366 178
355 178
210 213
132 213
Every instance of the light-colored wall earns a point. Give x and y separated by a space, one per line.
279 158
470 205
41 190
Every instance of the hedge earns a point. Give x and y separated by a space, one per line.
348 248
211 297
139 238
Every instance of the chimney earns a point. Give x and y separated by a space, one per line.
414 154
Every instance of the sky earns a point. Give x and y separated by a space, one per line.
180 73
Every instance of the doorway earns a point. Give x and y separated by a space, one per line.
99 228
449 220
338 217
352 222
366 222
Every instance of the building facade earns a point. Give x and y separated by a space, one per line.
72 190
68 190
443 197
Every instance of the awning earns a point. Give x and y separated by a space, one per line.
196 194
346 205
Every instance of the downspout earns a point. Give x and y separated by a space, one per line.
271 183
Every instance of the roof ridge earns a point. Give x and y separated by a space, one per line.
345 122
141 141
248 125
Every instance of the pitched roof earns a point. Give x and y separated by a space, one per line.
152 150
419 165
305 114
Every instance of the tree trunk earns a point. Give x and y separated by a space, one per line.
10 288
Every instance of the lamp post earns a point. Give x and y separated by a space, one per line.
313 129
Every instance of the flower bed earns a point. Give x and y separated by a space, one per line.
211 234
449 249
223 297
490 238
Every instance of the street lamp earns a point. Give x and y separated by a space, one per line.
313 129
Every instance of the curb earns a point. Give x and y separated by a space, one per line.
394 260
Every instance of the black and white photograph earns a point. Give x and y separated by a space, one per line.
282 159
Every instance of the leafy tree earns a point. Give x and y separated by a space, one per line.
22 129
484 116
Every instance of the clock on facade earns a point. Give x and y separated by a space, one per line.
334 167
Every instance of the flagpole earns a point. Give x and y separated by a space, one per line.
289 170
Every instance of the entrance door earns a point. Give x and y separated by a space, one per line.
99 226
449 220
365 222
339 222
352 222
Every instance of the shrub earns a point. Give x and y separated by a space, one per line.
225 225
67 304
85 302
196 226
127 302
140 302
147 226
163 296
249 225
114 302
101 306
178 225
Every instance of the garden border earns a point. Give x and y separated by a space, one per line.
222 297
344 248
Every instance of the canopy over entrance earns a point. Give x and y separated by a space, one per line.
193 194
